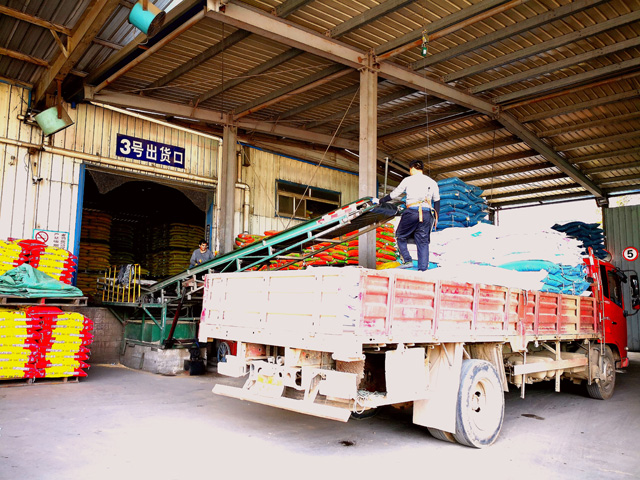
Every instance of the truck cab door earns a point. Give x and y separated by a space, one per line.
615 322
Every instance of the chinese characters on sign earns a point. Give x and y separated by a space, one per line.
154 152
53 238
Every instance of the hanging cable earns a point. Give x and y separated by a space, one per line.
308 184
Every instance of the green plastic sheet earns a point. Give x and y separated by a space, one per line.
26 281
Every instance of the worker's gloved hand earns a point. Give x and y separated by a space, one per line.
375 201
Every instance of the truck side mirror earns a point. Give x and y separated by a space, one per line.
635 291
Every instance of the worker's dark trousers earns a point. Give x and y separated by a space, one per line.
411 226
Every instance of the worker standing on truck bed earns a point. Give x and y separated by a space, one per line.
423 206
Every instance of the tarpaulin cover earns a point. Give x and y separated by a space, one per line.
26 281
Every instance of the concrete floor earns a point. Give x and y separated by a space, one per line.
124 424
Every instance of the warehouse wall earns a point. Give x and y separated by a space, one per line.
107 332
622 230
52 202
261 177
25 203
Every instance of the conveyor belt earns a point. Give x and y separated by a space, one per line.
359 217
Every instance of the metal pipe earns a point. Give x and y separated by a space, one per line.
156 120
150 51
451 29
571 90
98 159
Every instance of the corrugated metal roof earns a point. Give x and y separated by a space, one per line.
567 71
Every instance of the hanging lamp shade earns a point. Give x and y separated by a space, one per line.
49 121
149 21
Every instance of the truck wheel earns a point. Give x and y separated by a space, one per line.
603 389
442 435
480 408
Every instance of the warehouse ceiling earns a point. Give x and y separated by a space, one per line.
533 101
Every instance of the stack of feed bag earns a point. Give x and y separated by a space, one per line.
19 337
552 259
460 204
11 255
171 247
95 251
386 247
43 342
338 255
123 242
590 234
58 263
64 338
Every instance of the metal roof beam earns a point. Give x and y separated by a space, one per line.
555 66
612 167
490 127
576 127
440 24
508 171
403 92
523 181
622 178
501 34
207 115
401 112
533 191
289 6
545 46
319 78
582 106
85 31
321 101
509 157
457 115
534 142
287 33
503 142
367 16
604 155
548 199
599 141
199 59
570 80
282 10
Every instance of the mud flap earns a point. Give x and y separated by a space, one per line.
439 410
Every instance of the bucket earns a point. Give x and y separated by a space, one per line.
149 21
50 123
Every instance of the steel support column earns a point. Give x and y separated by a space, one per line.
368 155
228 177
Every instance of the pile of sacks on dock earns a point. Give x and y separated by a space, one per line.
43 342
345 253
590 234
58 263
461 204
553 260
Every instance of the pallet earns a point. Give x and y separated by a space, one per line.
21 382
51 301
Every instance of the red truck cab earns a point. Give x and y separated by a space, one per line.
607 288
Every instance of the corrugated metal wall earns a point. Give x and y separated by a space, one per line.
261 177
622 228
52 202
26 203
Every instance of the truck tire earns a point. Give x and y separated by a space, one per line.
480 407
603 389
442 435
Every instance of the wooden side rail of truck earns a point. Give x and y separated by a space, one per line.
333 342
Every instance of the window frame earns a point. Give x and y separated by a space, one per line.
309 195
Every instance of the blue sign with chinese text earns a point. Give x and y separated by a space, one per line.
154 152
